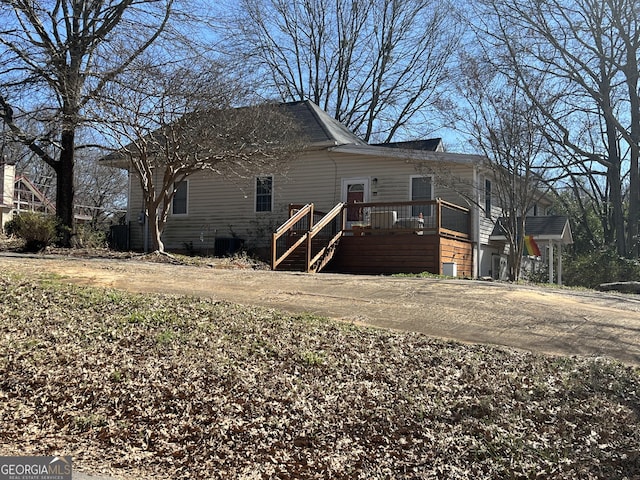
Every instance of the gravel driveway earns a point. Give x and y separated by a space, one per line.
556 321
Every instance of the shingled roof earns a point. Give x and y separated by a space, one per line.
321 129
430 144
547 227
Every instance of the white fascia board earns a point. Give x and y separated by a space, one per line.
539 238
417 155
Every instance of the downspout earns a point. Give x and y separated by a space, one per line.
128 217
559 275
475 223
550 261
145 232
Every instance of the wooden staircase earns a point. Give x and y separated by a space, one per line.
295 261
304 245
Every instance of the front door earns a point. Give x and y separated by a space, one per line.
354 191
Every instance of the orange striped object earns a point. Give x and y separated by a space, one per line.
532 246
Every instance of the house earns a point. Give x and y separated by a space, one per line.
391 199
19 194
7 181
545 235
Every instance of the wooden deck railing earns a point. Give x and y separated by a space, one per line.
319 234
294 231
431 217
328 232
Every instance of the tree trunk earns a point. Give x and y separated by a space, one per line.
615 197
615 178
154 226
634 169
64 169
157 237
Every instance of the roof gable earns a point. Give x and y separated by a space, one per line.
34 198
546 227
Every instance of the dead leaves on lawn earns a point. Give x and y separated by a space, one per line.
174 387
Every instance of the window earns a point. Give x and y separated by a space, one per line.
421 189
487 198
264 194
180 198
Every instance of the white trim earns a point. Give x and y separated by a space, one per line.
408 154
411 177
430 209
488 212
475 222
186 213
129 194
355 181
550 261
365 182
255 193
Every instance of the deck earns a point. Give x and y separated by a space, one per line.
376 238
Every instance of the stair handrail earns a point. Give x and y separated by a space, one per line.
299 215
317 228
286 228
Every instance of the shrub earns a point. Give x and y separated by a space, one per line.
87 236
36 229
601 266
11 227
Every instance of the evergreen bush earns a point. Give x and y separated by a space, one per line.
36 229
590 269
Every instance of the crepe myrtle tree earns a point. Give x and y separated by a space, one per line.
172 121
503 126
56 57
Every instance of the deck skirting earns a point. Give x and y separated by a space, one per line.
402 253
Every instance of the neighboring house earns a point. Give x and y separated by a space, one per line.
398 184
28 198
7 182
544 239
18 194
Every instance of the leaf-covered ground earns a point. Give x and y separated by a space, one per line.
176 387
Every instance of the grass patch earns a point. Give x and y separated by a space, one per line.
178 387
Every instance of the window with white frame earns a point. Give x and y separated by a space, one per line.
421 189
180 202
264 193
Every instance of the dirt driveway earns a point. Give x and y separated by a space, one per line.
538 319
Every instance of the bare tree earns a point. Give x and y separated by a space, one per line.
101 191
584 56
55 58
500 121
380 67
171 121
